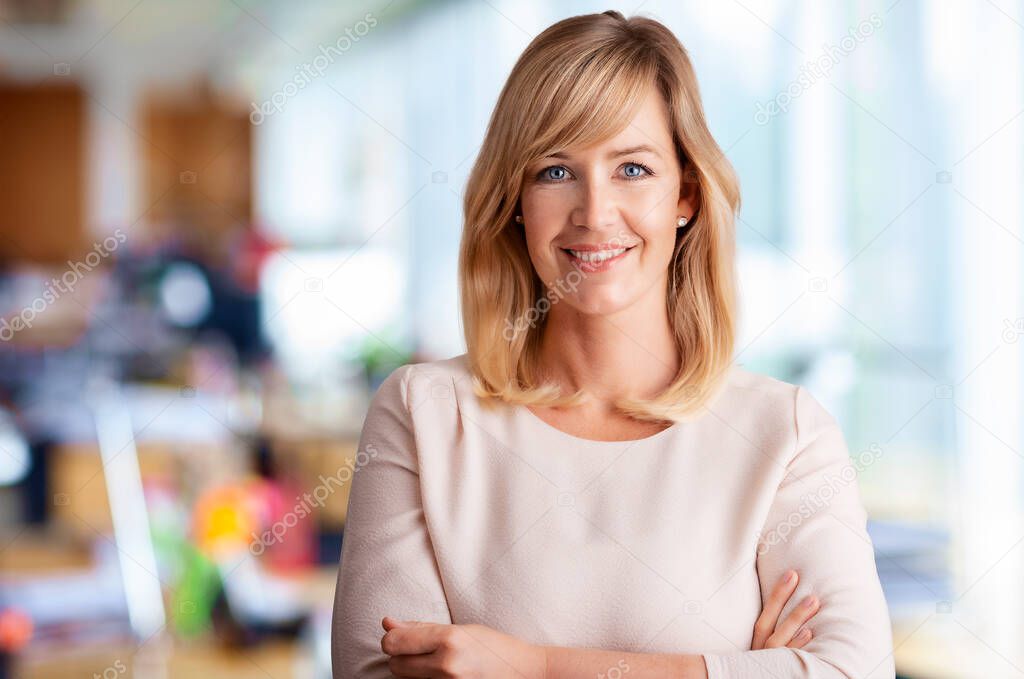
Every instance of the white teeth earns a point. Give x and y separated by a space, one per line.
598 256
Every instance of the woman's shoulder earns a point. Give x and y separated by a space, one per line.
751 392
748 380
773 398
432 373
783 401
413 382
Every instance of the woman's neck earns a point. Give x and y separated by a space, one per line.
631 353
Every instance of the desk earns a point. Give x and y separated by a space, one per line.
185 660
164 658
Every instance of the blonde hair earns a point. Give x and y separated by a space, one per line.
578 83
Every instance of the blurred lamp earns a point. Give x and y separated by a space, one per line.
185 295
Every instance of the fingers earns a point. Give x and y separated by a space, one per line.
389 623
801 638
769 618
785 632
769 632
409 637
407 666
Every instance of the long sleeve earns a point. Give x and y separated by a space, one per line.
387 559
817 525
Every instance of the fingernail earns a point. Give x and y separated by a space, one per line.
806 633
810 601
789 576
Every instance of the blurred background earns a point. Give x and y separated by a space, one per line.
224 222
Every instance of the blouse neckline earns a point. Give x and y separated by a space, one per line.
532 419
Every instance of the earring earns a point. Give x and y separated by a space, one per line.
519 219
682 221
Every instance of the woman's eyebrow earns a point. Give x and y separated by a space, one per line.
642 148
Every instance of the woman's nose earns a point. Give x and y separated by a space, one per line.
596 205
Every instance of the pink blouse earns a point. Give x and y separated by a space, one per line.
667 544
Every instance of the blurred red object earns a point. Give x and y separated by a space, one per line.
15 630
251 250
289 532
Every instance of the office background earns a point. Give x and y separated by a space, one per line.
223 223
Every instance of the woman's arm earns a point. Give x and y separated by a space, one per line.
817 526
770 631
420 649
567 663
387 561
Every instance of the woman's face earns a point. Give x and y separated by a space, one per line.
600 222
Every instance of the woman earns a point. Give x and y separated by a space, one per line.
593 489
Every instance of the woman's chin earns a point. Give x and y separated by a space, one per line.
598 303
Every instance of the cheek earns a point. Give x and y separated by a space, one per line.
658 232
542 207
542 255
654 211
544 217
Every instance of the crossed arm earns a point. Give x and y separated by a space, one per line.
421 649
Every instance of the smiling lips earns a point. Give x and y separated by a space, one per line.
594 258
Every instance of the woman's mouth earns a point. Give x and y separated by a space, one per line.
594 261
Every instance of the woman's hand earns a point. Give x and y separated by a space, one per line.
769 633
422 649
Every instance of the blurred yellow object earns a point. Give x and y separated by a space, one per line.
224 519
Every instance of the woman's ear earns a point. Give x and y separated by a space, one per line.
689 192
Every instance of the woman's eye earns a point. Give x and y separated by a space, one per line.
555 173
635 170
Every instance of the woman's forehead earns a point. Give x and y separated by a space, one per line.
648 131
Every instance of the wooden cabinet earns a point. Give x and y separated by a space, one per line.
42 166
197 158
